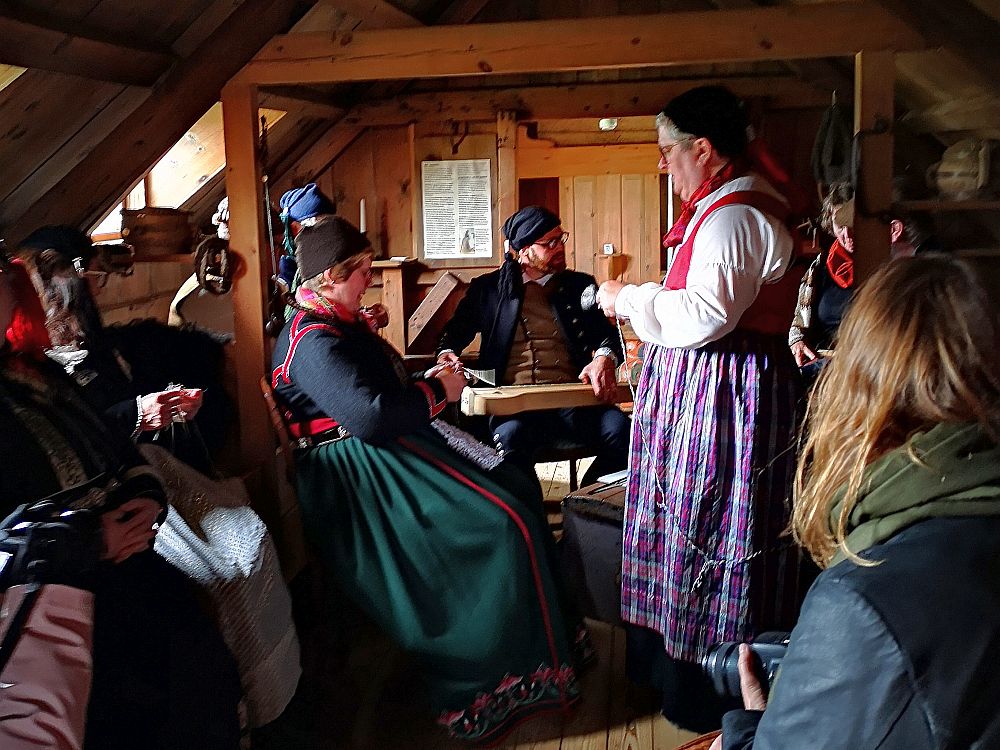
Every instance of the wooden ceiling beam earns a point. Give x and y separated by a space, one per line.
302 101
341 134
376 13
180 98
778 33
33 41
612 99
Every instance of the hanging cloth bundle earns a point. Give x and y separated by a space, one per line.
831 153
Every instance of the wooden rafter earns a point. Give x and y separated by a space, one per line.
462 11
617 99
786 32
34 41
819 72
300 100
183 96
958 25
318 158
969 114
376 13
325 149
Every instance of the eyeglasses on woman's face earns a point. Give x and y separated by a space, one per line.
553 243
665 150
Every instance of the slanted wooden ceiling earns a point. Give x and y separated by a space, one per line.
111 85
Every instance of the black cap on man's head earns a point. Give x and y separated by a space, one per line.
529 225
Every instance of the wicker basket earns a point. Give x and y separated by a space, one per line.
157 231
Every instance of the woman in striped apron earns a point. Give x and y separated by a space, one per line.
712 443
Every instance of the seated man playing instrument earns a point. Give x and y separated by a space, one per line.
534 330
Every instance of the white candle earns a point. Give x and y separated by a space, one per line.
363 222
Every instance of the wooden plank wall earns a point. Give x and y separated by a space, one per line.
383 166
623 210
147 293
377 167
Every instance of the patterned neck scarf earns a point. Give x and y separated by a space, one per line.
840 264
730 171
321 307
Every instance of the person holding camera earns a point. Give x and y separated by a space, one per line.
898 498
162 677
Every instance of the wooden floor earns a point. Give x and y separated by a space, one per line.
369 698
612 714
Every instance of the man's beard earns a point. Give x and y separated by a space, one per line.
555 264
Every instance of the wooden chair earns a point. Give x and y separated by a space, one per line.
565 450
280 429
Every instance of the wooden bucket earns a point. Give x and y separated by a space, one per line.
157 231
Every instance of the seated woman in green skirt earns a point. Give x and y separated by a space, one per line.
440 542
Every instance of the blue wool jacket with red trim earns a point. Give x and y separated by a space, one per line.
343 371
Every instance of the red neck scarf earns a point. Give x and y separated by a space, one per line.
730 171
840 264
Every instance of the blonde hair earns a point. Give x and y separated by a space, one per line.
918 347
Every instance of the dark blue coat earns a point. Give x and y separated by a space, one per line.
343 371
492 306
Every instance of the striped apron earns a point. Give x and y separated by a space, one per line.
711 465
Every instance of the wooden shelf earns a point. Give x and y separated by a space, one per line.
170 258
941 205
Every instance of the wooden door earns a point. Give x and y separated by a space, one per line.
623 210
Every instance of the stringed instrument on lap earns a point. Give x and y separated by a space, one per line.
513 399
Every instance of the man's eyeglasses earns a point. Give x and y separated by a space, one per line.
554 242
665 150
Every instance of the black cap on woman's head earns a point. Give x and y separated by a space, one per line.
712 112
326 244
68 242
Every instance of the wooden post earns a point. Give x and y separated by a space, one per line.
506 166
394 299
246 238
874 79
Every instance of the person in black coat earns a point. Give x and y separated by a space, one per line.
898 498
535 330
126 371
162 675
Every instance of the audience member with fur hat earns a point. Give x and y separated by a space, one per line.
123 370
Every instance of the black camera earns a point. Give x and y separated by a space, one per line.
44 543
721 663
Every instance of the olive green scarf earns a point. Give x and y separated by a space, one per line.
958 475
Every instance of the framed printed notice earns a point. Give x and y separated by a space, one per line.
457 209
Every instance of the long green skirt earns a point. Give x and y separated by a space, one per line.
455 564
